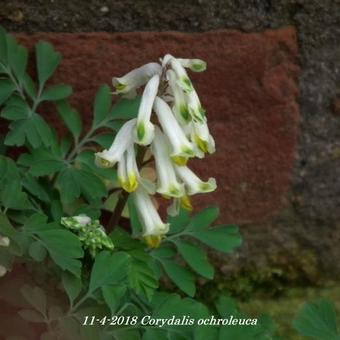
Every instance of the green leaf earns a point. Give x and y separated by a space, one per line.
72 285
141 278
68 185
102 105
74 182
6 228
126 109
42 162
56 92
109 268
63 246
32 185
196 258
203 219
15 112
179 222
318 321
47 61
36 297
222 238
37 251
34 129
29 86
6 89
12 197
123 240
17 57
104 140
8 170
87 160
113 296
16 108
183 278
70 117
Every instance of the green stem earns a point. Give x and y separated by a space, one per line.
80 302
78 145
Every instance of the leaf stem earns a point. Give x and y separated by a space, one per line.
78 145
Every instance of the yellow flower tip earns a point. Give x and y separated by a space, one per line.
179 160
153 241
102 162
186 203
202 145
120 87
130 185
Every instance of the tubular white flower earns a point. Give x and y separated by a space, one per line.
128 174
124 138
127 170
182 148
193 184
135 78
201 136
153 227
145 130
180 107
195 65
4 241
194 106
167 180
183 79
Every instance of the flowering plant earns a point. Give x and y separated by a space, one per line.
56 196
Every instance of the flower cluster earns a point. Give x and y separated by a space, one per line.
90 233
172 123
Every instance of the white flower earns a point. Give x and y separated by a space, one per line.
3 271
167 181
195 65
124 138
193 184
127 170
128 173
153 227
180 107
182 148
4 241
201 136
145 130
194 106
183 79
136 78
